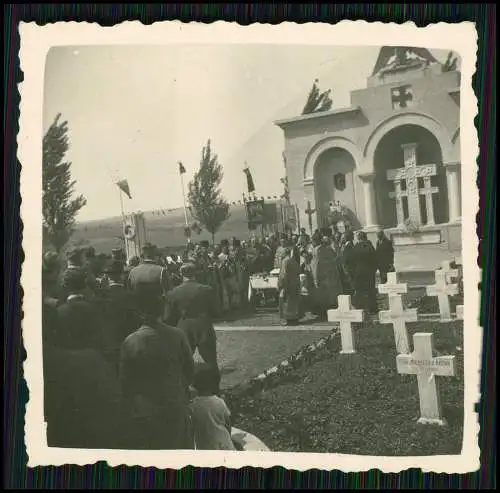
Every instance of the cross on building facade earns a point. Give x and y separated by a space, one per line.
346 315
427 367
410 174
401 97
443 290
398 316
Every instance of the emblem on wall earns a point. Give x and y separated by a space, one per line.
401 97
339 181
129 232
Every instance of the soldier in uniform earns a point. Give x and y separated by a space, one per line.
149 274
190 307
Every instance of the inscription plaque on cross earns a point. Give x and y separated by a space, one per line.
443 290
346 315
451 272
398 316
391 287
410 174
427 367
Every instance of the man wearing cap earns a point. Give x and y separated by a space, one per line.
156 369
120 320
148 274
76 262
190 307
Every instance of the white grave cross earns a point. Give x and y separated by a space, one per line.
398 316
422 363
411 173
346 315
391 287
443 290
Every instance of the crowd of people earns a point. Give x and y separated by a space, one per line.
119 337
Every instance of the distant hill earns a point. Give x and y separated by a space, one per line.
165 230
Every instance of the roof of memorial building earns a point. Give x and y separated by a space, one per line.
318 114
401 56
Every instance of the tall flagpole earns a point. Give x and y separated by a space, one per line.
123 222
184 200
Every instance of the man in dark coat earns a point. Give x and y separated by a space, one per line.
364 276
385 256
156 369
190 307
149 274
78 316
76 262
348 262
119 316
80 389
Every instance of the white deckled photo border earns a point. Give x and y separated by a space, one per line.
35 44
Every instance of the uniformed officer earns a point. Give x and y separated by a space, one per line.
148 275
190 306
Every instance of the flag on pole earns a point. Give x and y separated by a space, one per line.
123 186
250 184
182 170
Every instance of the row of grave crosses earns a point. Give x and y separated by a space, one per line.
410 174
421 362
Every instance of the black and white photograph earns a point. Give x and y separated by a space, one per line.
247 249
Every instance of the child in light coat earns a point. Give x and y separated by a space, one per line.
209 413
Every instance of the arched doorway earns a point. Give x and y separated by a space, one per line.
334 182
389 155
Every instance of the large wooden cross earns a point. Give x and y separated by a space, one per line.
443 290
427 367
410 174
310 213
345 315
398 316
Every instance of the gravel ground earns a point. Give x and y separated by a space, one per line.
245 354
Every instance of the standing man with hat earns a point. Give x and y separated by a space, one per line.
190 307
148 273
119 317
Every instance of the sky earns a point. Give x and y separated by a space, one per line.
134 111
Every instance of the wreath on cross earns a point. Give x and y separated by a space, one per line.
129 232
338 214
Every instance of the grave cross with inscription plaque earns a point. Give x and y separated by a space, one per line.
427 367
391 287
346 315
398 316
410 174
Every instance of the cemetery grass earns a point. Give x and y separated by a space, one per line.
358 404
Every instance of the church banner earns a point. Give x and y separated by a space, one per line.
255 214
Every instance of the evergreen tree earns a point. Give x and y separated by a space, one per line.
317 101
208 207
451 63
312 99
59 208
